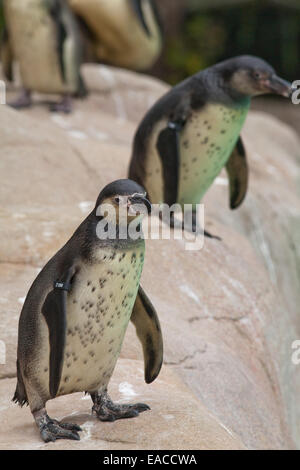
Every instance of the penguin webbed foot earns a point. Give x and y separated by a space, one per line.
107 410
63 106
51 430
193 228
197 229
22 101
213 237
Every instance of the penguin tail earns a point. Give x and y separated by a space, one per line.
20 396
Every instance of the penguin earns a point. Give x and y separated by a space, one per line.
77 310
124 33
193 131
6 55
44 38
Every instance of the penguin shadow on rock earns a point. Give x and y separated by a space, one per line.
193 131
76 313
51 39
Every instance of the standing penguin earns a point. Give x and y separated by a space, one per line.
44 37
77 311
124 33
193 131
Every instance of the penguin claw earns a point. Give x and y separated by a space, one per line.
53 430
64 106
209 235
197 229
23 101
69 426
107 410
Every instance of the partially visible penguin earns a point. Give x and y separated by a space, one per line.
193 131
77 311
44 38
125 33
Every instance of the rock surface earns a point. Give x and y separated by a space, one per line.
229 312
169 424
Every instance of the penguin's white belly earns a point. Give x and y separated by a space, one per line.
99 307
33 36
121 39
206 144
98 312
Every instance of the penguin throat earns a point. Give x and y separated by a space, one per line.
131 231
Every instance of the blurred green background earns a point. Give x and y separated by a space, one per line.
1 15
203 32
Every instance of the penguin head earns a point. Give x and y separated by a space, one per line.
252 76
123 200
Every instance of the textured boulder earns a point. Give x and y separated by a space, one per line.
229 312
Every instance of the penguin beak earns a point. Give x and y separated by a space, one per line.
140 200
278 86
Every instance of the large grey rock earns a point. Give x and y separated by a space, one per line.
229 312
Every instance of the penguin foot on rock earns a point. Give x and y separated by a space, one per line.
23 101
64 106
51 429
107 410
197 229
193 228
209 235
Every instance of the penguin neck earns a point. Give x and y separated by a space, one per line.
101 234
219 92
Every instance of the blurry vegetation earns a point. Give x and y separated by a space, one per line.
213 30
1 17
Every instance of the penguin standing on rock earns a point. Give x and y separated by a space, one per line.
124 33
44 38
193 131
77 311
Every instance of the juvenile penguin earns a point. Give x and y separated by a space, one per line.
193 131
44 38
125 33
77 311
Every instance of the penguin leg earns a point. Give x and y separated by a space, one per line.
64 106
196 228
193 227
107 410
22 101
51 429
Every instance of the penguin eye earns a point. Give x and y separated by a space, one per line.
117 200
257 75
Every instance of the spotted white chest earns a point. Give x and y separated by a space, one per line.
99 307
206 143
33 36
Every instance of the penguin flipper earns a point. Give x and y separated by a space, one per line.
137 8
237 170
168 147
54 310
146 322
6 55
169 151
